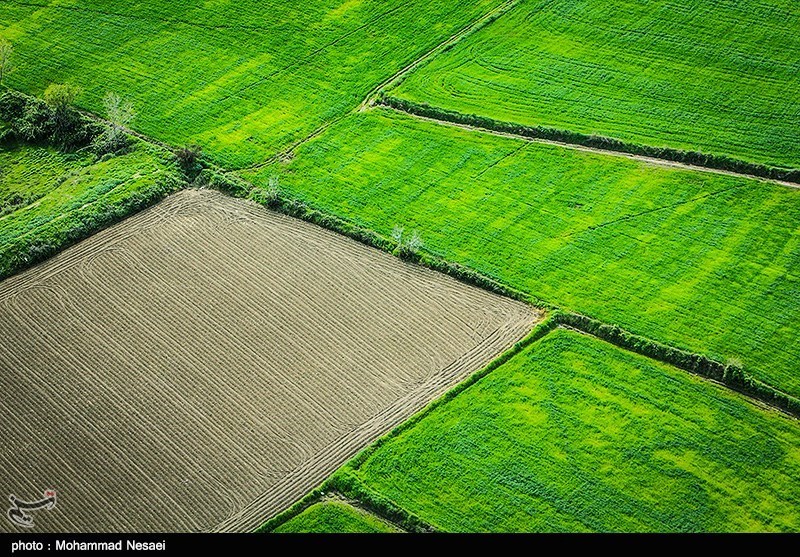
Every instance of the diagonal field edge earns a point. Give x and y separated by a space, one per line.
314 470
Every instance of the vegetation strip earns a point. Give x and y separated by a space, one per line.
692 159
730 375
336 515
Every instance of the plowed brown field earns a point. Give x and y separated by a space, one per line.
206 362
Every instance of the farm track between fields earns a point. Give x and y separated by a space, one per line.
243 358
447 43
609 152
370 100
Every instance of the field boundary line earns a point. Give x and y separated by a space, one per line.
346 480
448 43
661 156
737 379
372 97
340 497
732 376
326 492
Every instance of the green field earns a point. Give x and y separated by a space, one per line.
700 260
331 517
574 434
58 198
244 78
720 77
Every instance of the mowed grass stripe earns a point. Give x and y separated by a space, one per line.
716 77
229 393
701 261
574 434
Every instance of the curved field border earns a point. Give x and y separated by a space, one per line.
691 160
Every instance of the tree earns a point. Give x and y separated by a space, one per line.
6 50
120 114
70 129
61 97
189 160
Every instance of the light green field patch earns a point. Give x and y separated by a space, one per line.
335 517
244 78
617 442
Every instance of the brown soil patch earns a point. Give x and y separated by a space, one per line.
205 363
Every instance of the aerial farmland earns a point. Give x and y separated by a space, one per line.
361 266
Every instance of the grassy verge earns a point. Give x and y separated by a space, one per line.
332 517
73 196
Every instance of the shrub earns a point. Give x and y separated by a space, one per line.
407 246
189 160
54 122
119 114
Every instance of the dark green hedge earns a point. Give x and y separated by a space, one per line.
346 482
281 203
719 162
730 375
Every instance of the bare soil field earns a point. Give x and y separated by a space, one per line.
205 363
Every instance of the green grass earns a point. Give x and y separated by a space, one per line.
575 435
71 196
332 517
703 261
720 77
242 78
27 174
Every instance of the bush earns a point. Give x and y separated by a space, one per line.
119 114
110 143
189 160
407 245
55 122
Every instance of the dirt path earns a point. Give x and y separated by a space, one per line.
649 160
466 31
205 363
